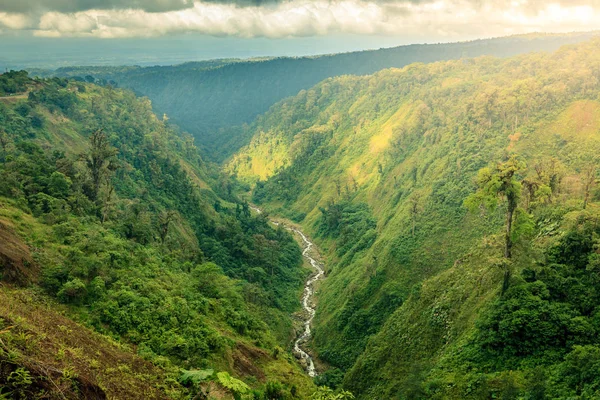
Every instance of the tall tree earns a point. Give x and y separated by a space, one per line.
589 180
499 183
165 219
99 160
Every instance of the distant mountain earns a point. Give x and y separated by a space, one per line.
212 99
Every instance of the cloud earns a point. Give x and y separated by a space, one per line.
70 6
442 18
15 21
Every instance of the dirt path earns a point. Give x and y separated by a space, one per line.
15 97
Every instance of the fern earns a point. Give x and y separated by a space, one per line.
234 385
195 376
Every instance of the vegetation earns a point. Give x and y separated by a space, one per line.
457 205
111 211
215 99
44 354
13 82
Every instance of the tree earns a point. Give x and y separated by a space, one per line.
164 221
580 370
99 160
4 140
531 186
414 210
589 180
536 191
59 185
551 172
107 200
498 183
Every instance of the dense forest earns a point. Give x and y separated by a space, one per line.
214 99
128 266
458 207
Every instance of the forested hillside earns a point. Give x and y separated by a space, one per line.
458 206
213 99
110 218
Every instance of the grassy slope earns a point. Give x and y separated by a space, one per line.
430 330
64 357
417 136
68 358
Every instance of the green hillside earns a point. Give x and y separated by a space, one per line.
110 218
214 99
407 179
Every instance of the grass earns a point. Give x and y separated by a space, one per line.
66 359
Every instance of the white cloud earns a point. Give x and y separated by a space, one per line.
15 21
69 6
445 18
68 23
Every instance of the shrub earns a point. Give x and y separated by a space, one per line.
74 291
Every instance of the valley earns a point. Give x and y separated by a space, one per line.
308 304
420 222
379 170
109 215
311 254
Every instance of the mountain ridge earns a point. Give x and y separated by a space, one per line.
214 103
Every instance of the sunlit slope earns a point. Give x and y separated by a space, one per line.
213 99
430 337
378 168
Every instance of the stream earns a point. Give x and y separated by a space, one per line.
307 299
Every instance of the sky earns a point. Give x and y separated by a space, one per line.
64 32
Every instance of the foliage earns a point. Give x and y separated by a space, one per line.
215 99
132 242
195 376
331 378
551 310
325 393
17 383
398 154
498 182
237 387
352 224
13 82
